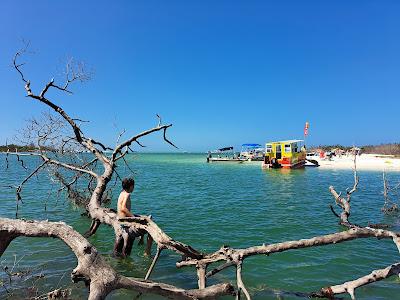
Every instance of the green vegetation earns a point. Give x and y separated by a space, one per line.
386 149
330 147
19 148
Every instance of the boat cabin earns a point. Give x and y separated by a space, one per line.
288 154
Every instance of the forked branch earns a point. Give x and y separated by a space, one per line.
389 206
344 203
235 257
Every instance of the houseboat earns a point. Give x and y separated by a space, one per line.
289 154
252 152
226 154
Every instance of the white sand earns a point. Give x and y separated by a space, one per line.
374 162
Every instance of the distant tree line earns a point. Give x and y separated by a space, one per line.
386 149
330 147
20 148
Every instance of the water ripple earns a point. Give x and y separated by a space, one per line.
208 205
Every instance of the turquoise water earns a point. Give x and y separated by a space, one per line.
206 206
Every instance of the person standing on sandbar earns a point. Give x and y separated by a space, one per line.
124 207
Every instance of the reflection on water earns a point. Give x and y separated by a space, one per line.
208 205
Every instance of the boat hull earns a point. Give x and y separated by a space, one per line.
312 163
298 165
233 160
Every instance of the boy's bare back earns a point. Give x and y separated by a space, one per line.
124 205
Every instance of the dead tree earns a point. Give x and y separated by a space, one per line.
100 176
344 203
108 161
235 258
389 206
98 275
100 278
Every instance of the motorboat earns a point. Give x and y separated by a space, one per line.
252 152
226 154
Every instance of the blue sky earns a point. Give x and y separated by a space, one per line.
223 72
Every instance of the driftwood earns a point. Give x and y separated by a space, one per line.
235 257
389 206
92 269
344 203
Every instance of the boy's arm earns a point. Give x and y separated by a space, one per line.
124 209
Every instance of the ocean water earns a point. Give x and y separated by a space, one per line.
207 206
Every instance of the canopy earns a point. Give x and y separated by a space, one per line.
251 145
286 142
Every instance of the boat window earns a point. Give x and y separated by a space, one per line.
295 147
287 148
269 148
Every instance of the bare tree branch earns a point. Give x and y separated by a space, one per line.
389 206
235 257
343 203
166 139
18 66
128 142
92 268
349 287
19 188
56 162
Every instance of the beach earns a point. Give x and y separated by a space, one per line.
371 162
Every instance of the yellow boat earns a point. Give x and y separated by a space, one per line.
290 154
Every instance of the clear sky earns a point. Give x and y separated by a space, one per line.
223 72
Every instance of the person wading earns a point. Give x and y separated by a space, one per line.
124 208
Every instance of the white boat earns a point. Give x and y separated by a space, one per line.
225 154
252 152
312 159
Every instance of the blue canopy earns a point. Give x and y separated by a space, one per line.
251 145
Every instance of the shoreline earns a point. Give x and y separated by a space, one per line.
371 162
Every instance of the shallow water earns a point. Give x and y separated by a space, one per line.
207 206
